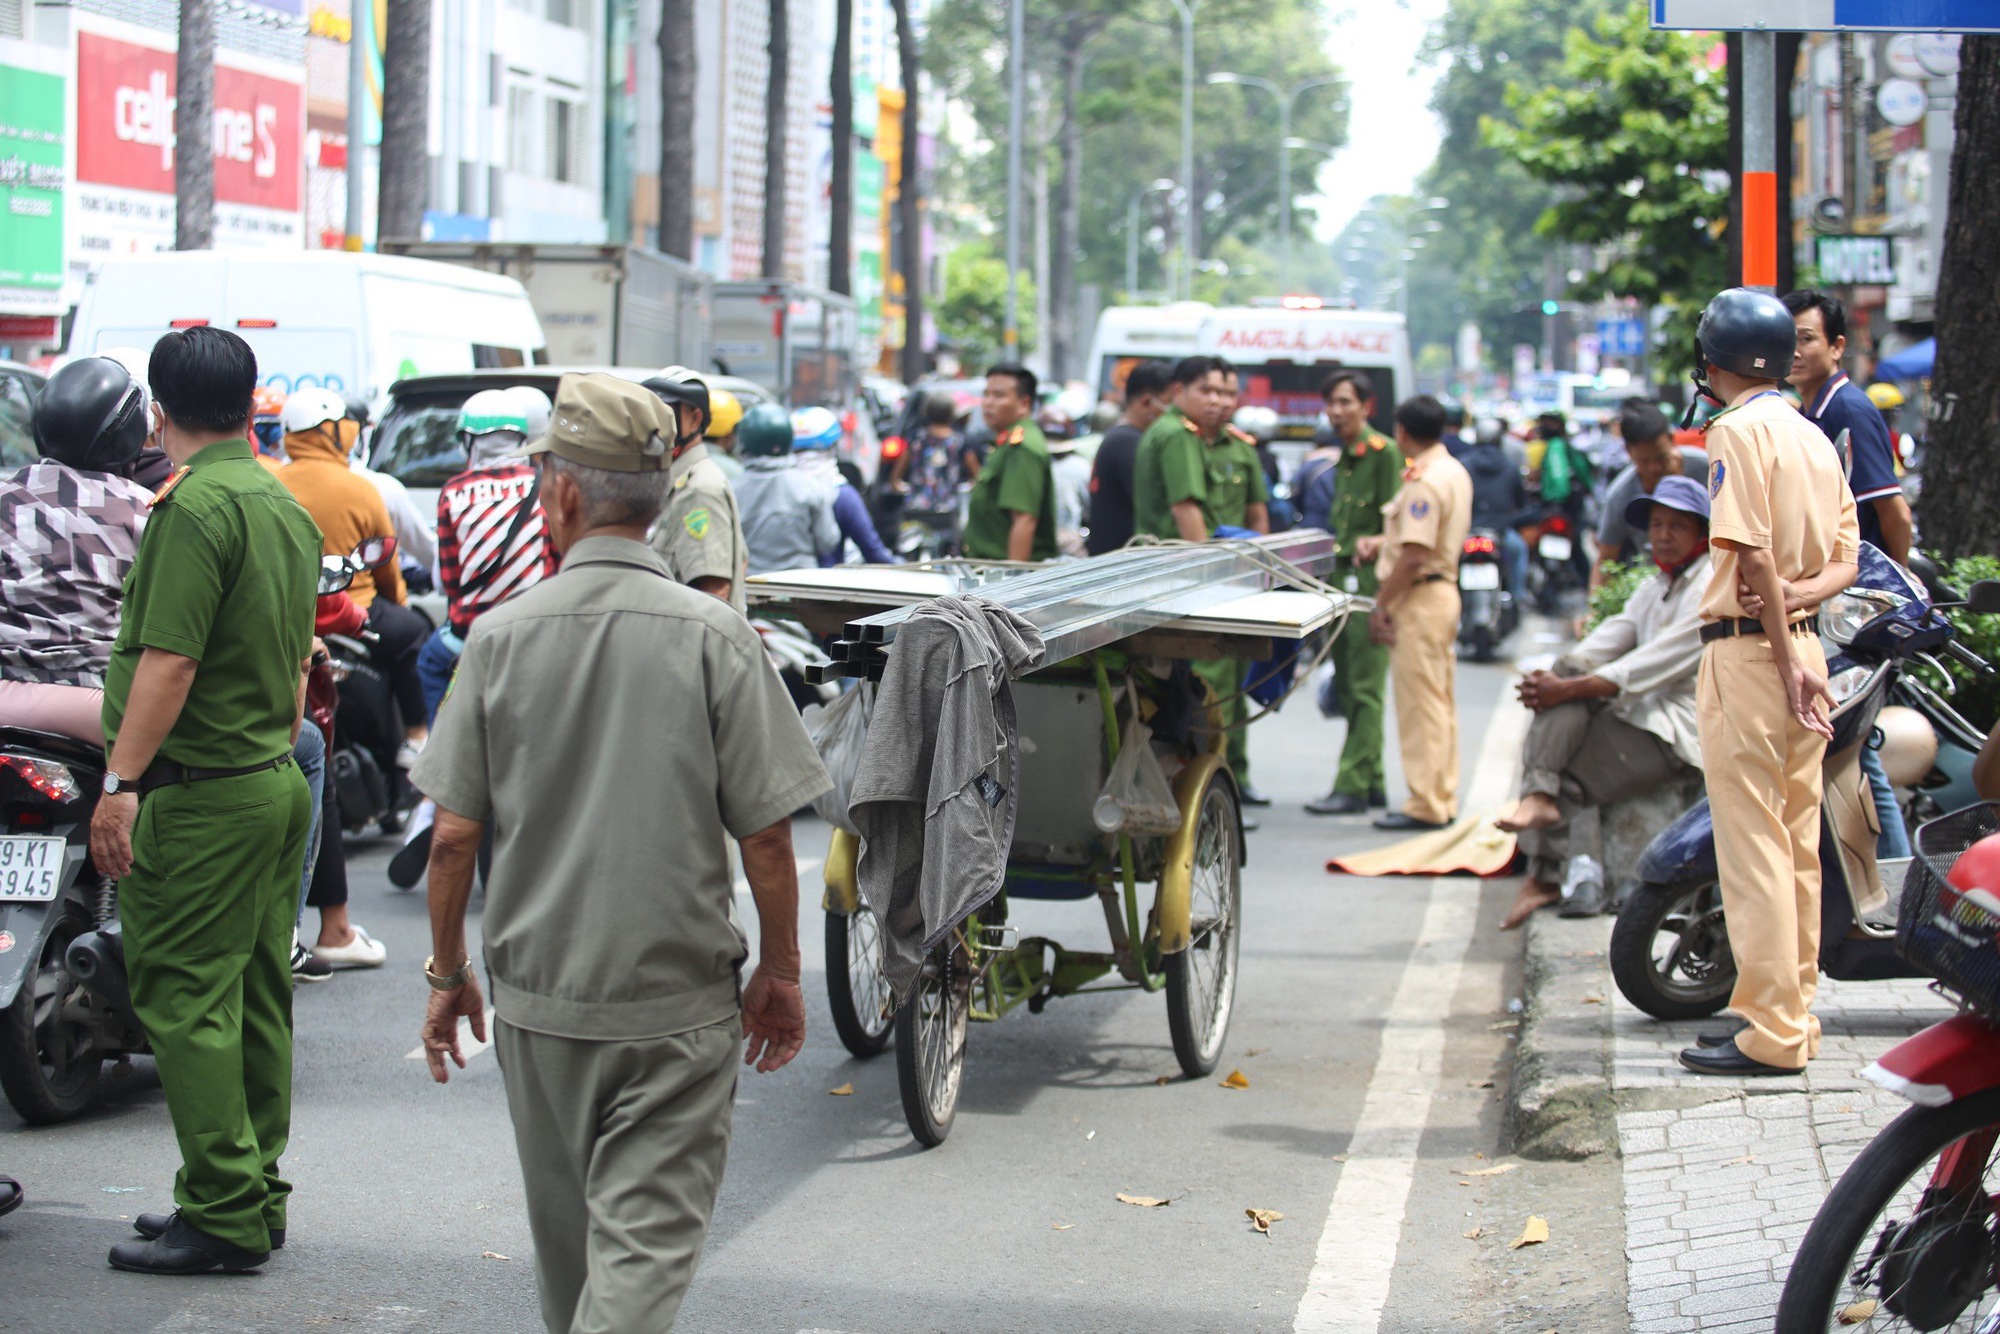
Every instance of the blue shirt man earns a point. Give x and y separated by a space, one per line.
1839 408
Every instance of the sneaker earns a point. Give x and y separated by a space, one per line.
364 951
305 968
406 755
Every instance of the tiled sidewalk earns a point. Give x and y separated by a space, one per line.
1722 1181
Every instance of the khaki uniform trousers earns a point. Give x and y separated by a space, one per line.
1423 665
622 1145
1763 775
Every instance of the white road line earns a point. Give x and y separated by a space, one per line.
1356 1257
468 1045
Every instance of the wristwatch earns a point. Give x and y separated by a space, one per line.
450 982
113 784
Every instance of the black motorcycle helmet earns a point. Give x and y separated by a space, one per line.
1748 333
677 386
91 416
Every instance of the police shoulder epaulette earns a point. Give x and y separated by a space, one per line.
1242 434
172 482
1015 436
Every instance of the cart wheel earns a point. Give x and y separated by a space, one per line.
856 989
1201 979
930 1045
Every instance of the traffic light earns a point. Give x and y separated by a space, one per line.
1551 307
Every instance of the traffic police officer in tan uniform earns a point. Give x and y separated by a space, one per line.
1416 611
615 727
700 534
1784 538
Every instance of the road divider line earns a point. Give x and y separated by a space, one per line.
1356 1257
468 1045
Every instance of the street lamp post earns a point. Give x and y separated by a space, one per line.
1287 99
1187 9
1132 233
1017 50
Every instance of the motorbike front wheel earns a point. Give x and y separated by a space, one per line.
1670 950
1907 1239
49 1055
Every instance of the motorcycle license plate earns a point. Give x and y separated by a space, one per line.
1554 546
1479 578
30 869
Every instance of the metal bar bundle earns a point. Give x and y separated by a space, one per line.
1083 605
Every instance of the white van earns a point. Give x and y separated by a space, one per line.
346 322
1282 353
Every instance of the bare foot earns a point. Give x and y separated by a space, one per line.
1535 811
1534 894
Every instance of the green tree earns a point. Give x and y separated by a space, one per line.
1634 132
971 315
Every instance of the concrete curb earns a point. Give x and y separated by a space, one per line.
1559 1099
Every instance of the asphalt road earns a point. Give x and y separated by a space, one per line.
1371 1024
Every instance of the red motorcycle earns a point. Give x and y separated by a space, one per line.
1910 1237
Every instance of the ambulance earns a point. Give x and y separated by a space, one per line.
1282 352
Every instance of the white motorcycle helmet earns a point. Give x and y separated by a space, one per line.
535 409
309 408
1909 745
493 423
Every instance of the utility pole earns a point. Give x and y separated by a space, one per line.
1017 50
194 116
360 40
1759 180
1187 10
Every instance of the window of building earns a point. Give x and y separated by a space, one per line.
566 142
521 131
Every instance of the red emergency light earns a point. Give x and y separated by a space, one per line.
256 324
187 324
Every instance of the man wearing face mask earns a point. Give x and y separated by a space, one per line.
1616 715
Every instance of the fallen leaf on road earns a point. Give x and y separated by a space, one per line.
1061 1227
1237 1080
1143 1201
1505 1023
1534 1234
1261 1219
1164 1080
1737 1162
1860 1311
1256 1051
494 1255
1493 1171
1340 1157
1593 1000
1474 1234
843 1091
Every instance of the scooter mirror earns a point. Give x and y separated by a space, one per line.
335 574
1984 597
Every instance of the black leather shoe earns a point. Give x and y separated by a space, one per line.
184 1249
1378 799
1722 1039
1729 1060
150 1226
1251 796
1338 803
1398 822
11 1195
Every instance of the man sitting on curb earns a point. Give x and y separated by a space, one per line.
1617 715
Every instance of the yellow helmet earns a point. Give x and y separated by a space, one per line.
724 412
1885 396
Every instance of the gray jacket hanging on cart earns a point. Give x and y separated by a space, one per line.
935 797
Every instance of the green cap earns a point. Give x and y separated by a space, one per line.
604 421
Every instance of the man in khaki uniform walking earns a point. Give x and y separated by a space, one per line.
614 726
1784 536
1416 611
700 534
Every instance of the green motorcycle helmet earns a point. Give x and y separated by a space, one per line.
765 432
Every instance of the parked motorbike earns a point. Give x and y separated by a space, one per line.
64 1005
1670 948
368 727
1552 570
1489 612
1907 1238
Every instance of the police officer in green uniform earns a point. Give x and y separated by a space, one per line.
1012 511
204 815
1367 477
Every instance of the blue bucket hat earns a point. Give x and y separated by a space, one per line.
1676 492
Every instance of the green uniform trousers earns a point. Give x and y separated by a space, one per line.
207 914
622 1145
1361 674
1225 677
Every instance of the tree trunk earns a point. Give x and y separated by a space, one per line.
678 72
406 66
840 220
194 116
1960 510
909 214
1068 238
777 118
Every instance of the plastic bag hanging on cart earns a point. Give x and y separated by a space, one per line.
1136 798
839 732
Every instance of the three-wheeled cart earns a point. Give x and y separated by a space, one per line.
1072 713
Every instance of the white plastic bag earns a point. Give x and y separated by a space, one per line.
1136 798
839 731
